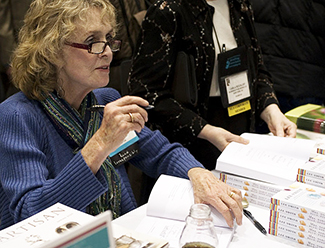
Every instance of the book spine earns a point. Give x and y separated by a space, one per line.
274 218
251 185
320 151
303 229
316 125
300 226
299 237
311 180
251 190
311 173
261 200
297 218
257 193
282 208
261 203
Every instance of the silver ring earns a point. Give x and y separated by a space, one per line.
131 116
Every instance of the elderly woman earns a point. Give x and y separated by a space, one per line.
54 148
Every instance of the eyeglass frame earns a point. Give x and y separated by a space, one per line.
89 46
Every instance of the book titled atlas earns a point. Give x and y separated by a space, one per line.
308 117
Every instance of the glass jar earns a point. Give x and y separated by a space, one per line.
199 230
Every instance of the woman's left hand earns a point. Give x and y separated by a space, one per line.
210 190
278 124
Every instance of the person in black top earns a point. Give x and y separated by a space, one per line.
204 29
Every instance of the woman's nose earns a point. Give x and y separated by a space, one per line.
107 52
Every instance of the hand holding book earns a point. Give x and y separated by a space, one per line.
267 158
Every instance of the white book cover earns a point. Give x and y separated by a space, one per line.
315 169
267 158
46 228
309 199
95 234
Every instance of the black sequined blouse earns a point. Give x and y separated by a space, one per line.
174 25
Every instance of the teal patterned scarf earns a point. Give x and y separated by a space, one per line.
71 125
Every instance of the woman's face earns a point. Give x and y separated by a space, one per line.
83 71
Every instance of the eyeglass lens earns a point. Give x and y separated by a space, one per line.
99 47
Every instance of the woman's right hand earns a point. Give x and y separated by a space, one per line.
220 137
208 189
120 117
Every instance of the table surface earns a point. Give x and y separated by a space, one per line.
246 235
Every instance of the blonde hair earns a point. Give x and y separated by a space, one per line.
47 26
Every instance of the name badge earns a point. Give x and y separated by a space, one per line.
234 84
239 108
128 149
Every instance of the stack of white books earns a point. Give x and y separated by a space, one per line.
313 172
254 191
265 166
298 214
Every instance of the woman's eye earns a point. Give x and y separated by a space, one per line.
90 40
109 37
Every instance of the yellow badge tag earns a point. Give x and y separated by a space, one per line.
239 108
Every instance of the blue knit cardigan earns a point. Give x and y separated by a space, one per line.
38 169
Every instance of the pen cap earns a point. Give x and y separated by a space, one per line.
199 230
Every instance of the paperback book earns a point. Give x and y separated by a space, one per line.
306 240
308 117
303 230
256 192
281 218
60 226
267 158
311 180
308 198
298 213
301 225
295 219
313 173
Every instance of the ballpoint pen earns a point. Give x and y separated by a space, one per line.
254 221
101 107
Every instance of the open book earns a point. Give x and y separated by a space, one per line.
169 204
267 158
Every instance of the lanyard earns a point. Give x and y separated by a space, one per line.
215 31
